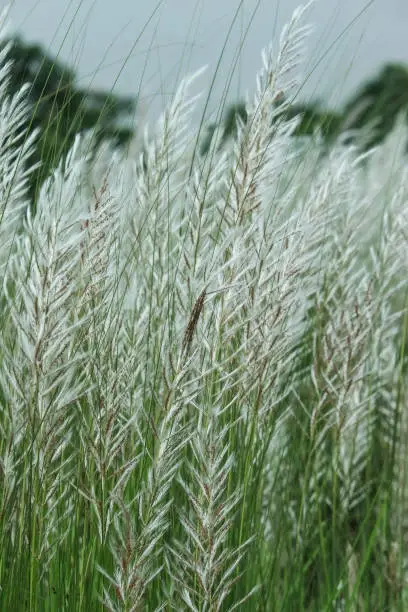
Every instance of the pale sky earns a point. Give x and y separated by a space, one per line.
148 45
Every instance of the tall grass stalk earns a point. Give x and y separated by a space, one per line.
203 366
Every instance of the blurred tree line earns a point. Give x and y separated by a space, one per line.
377 104
61 109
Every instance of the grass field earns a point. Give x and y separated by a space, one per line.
203 369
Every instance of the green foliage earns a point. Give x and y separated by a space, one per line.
60 108
314 118
379 102
229 125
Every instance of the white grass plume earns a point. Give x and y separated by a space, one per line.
202 361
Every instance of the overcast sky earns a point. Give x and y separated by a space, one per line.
147 45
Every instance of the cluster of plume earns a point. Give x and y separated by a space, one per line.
202 362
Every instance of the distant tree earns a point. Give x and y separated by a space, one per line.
230 121
229 125
379 102
313 118
60 108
